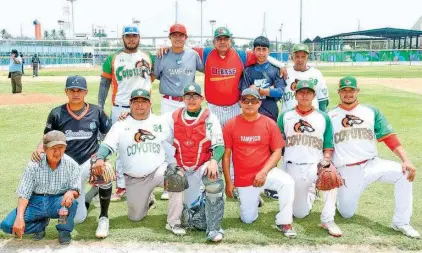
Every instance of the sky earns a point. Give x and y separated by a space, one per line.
244 18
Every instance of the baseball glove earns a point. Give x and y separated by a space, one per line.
328 177
108 176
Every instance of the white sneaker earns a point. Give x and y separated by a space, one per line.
407 230
332 228
102 229
287 230
165 195
215 236
176 229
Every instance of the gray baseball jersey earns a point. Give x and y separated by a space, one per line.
176 70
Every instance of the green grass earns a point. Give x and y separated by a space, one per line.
21 128
392 71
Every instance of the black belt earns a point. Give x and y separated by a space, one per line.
45 194
123 106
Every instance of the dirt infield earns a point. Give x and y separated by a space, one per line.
34 98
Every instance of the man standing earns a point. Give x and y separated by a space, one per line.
125 70
15 71
45 188
309 141
265 78
140 140
175 69
256 144
356 129
36 63
81 122
301 71
198 139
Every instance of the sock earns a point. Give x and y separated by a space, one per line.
105 195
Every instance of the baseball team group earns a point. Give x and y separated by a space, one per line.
240 145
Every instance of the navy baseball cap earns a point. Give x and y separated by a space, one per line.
76 82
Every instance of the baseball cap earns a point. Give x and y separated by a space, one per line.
192 88
130 29
14 51
140 93
250 92
348 82
54 138
261 41
76 82
222 31
178 28
305 84
301 47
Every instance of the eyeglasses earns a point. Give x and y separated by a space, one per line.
252 101
191 96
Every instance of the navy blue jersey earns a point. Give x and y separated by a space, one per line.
81 131
265 76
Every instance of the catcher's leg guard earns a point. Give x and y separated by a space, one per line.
214 203
194 217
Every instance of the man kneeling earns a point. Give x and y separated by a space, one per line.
45 188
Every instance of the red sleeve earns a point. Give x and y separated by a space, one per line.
392 141
276 139
250 58
228 134
200 51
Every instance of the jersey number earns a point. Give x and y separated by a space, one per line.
158 128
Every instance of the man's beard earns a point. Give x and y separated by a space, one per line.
349 103
130 48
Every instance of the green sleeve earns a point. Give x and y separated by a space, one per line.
280 122
217 153
323 105
152 58
328 133
381 126
103 152
107 66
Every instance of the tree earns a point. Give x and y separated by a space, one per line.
208 43
62 35
53 34
5 34
46 35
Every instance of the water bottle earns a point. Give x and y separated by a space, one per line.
63 213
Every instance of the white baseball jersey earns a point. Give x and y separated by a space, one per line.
127 73
355 133
312 74
214 132
306 135
139 144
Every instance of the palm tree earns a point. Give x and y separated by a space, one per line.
4 34
46 35
53 34
62 34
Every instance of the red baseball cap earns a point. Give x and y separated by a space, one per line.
178 28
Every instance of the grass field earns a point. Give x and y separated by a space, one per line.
21 128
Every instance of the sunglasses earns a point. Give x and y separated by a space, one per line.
247 101
192 96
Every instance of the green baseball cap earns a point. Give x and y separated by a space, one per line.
192 88
305 84
301 47
348 82
140 93
222 31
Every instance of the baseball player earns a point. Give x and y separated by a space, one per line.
140 140
198 140
256 143
301 71
308 135
125 70
357 128
265 78
81 122
174 70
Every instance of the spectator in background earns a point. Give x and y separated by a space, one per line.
35 62
23 64
15 71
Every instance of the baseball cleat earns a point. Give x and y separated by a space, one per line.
332 228
165 195
287 230
271 194
215 236
407 230
120 193
102 229
176 229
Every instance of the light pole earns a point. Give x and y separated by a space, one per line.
201 18
73 18
212 22
281 38
300 35
165 35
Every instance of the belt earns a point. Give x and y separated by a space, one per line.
122 106
45 194
178 99
358 163
297 163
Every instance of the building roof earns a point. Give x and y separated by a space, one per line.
385 33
